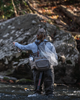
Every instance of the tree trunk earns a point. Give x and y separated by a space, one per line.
15 11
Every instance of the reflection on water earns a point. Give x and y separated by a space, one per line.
16 89
15 92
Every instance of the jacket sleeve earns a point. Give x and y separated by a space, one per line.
54 51
24 47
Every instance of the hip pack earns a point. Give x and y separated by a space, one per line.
39 63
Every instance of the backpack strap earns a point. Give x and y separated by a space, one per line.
37 48
37 43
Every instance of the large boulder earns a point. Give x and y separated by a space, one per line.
23 29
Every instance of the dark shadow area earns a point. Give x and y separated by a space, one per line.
78 45
71 25
51 3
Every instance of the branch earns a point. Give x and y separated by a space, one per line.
15 11
34 10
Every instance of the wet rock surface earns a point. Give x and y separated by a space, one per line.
23 29
10 97
21 92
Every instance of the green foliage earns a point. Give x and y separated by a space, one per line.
45 8
5 78
23 80
17 2
6 9
25 3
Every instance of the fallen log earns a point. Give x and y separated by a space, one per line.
69 13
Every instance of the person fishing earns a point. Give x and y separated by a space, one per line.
48 75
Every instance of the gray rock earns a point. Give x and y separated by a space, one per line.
23 29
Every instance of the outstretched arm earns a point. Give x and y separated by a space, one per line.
23 47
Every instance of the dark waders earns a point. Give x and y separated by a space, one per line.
39 81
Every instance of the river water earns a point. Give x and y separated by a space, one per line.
20 92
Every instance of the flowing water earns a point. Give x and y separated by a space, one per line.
20 92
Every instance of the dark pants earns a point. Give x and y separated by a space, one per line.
47 79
